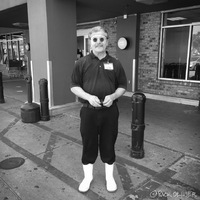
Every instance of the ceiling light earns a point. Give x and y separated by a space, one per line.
176 18
20 24
150 2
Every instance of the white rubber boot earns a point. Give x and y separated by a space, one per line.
110 181
88 177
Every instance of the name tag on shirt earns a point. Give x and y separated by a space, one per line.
108 66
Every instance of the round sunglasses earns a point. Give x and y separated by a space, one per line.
95 39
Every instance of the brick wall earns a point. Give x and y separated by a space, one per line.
111 27
148 63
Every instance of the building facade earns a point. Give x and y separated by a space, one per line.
161 58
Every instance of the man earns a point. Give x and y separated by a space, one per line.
98 80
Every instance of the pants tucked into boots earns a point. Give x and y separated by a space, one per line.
99 130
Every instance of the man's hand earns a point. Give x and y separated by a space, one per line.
108 101
94 101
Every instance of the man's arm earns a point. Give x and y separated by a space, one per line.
108 101
92 99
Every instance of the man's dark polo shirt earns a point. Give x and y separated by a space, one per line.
98 77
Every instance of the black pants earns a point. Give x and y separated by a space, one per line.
99 130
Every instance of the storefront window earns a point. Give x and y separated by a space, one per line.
12 50
180 46
175 43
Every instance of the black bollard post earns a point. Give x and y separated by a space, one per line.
138 126
29 88
44 100
30 112
2 100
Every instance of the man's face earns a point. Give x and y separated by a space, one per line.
98 42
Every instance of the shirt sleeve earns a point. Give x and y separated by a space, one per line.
76 77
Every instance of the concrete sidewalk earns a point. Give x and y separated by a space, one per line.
52 152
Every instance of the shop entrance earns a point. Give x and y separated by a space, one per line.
12 58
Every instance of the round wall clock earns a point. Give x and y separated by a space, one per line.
122 43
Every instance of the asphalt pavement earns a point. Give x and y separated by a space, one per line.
51 150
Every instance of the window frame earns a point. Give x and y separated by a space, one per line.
163 28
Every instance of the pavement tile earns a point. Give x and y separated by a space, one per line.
154 190
186 141
137 177
5 120
7 152
32 182
12 104
29 137
63 122
66 158
156 157
63 130
187 171
6 193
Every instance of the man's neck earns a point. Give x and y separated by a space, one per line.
100 55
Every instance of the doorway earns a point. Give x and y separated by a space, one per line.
82 41
12 62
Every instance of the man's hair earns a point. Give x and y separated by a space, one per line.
97 29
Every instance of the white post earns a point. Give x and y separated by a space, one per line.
32 77
133 76
50 83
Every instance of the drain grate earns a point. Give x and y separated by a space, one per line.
11 163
